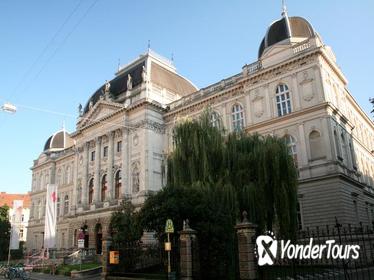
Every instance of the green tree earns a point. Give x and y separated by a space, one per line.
4 232
212 178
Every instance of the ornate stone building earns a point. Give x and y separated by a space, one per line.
294 90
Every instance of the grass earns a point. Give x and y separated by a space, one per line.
66 269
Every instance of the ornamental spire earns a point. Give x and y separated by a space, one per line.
284 9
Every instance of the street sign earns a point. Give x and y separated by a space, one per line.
80 243
169 227
167 246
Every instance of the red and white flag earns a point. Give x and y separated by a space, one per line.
50 217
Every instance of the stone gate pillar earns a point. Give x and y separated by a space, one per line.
107 242
189 257
246 233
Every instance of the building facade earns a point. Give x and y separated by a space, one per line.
19 214
294 90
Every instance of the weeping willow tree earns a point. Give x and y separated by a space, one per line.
212 178
258 168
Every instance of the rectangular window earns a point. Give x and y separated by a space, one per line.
119 146
105 151
92 155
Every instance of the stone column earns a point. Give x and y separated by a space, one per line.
189 260
86 147
125 164
97 170
246 233
107 242
110 195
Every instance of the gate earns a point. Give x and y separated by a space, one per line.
145 260
327 268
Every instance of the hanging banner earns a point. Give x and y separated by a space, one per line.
50 217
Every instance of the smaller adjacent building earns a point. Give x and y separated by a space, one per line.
19 213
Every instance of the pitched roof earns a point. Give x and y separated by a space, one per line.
7 199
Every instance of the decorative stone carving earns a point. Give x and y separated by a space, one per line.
307 87
258 104
135 140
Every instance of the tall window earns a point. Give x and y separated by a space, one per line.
119 146
337 144
59 177
215 119
117 184
291 144
344 148
283 100
90 191
353 156
93 156
67 175
79 193
58 206
105 151
237 117
104 187
66 204
299 216
135 178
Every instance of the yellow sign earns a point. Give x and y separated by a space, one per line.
167 246
114 257
169 227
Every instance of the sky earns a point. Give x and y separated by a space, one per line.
55 54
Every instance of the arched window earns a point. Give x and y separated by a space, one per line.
215 119
317 150
117 184
90 191
66 204
58 205
104 187
237 115
135 178
283 99
291 144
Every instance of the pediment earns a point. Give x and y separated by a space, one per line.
99 111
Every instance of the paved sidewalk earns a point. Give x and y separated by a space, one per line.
37 276
42 276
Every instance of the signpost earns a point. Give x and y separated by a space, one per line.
169 228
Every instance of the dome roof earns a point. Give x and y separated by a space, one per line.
58 141
285 28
